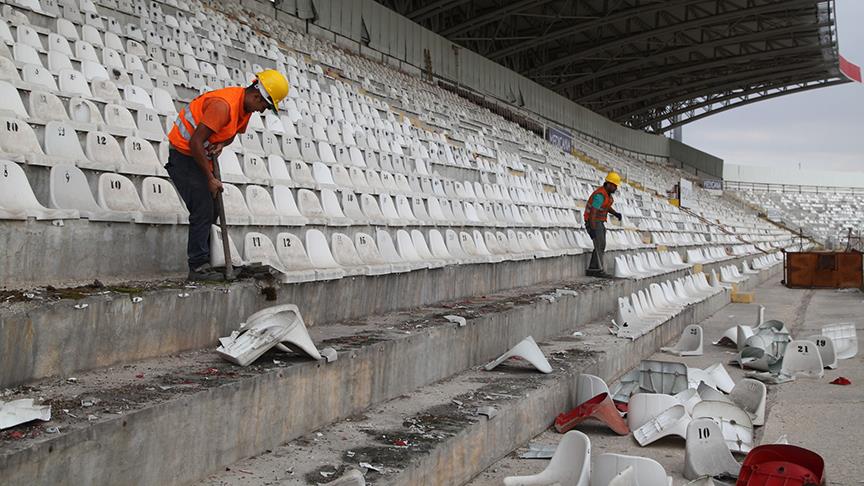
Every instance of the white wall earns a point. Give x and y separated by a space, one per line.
792 175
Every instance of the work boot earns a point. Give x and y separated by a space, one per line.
205 273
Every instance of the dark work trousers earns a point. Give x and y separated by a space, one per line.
191 183
599 246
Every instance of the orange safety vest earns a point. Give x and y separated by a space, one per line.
593 214
188 118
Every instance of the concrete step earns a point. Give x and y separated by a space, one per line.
435 436
192 414
65 332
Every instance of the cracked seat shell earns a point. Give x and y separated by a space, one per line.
528 350
706 453
600 407
570 465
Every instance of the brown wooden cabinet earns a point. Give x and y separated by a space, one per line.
825 270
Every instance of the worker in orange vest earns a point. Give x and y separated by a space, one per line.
599 204
200 131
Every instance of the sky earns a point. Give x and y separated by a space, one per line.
822 129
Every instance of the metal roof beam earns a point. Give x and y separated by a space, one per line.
431 9
696 67
492 16
748 101
686 51
565 32
784 5
713 85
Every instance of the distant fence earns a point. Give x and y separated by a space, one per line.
796 188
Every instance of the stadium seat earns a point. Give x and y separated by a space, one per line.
117 193
159 196
17 200
18 142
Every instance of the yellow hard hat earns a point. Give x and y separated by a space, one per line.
614 178
273 86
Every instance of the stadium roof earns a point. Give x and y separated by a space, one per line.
648 64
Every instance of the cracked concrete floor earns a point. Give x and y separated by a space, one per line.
812 413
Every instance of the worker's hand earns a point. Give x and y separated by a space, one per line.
214 151
215 186
616 214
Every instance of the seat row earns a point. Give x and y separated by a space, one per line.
648 264
648 308
343 255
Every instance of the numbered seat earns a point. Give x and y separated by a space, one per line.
149 126
17 200
255 169
18 142
291 252
159 196
117 193
345 254
72 83
58 61
38 77
163 102
46 107
61 142
369 253
26 54
119 121
102 152
137 97
140 158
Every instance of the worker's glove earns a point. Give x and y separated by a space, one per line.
590 230
616 214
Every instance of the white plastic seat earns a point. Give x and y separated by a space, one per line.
61 141
17 200
368 251
69 189
102 152
570 464
136 96
140 158
293 255
73 83
58 61
261 206
26 54
236 210
39 76
706 453
605 468
18 142
10 101
320 256
159 196
118 193
119 121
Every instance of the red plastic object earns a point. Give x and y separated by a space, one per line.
781 465
622 407
842 381
600 408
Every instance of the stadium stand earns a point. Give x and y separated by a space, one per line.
372 192
825 216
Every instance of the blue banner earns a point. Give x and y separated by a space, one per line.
560 139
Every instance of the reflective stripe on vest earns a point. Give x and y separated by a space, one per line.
593 214
188 119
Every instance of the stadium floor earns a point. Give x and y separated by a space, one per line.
812 413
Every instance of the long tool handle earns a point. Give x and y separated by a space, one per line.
220 208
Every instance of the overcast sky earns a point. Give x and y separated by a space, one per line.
819 129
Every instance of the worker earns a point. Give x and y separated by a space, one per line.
201 130
598 206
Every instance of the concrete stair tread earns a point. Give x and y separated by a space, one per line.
393 435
